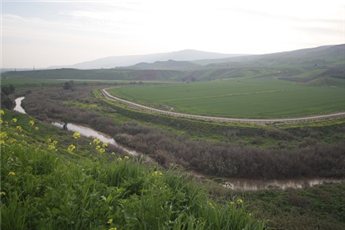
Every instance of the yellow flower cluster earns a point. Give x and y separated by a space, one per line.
31 123
96 141
71 148
52 144
19 128
157 173
2 112
110 221
99 146
11 173
14 120
239 201
76 135
99 149
3 137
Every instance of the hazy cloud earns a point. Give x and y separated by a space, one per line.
44 33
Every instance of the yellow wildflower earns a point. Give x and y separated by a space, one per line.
105 145
3 137
110 221
210 204
31 122
2 112
100 149
52 145
157 173
96 141
76 135
19 128
239 201
14 120
71 148
11 173
113 228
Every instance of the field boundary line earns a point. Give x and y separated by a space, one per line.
222 119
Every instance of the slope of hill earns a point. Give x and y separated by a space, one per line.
323 65
54 180
117 61
316 56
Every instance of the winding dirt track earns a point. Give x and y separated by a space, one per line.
221 119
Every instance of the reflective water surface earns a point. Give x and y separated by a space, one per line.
18 105
255 185
88 132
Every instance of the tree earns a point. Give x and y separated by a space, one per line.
68 85
7 89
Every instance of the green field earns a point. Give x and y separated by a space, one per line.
245 97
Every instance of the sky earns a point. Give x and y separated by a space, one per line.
56 32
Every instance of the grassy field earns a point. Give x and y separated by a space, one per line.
245 97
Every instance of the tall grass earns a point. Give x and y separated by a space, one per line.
42 189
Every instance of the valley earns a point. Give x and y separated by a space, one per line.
265 149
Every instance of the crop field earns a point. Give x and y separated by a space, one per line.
245 97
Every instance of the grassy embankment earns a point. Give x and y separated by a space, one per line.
242 97
51 185
319 207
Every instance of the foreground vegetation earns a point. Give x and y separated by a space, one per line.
46 184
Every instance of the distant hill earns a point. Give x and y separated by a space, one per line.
166 65
316 66
119 61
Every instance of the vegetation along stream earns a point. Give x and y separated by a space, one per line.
233 184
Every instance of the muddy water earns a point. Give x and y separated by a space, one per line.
255 185
18 105
88 132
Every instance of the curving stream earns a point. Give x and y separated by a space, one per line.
256 185
233 184
88 132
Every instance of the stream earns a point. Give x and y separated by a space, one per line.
257 185
88 132
233 184
18 105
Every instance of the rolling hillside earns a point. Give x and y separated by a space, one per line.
52 179
316 66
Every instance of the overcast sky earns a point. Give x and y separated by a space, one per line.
47 33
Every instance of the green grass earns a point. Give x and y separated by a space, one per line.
310 208
320 207
47 189
245 97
